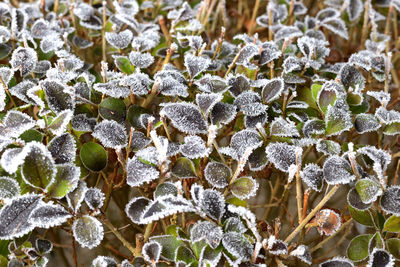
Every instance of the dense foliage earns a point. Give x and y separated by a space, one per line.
199 133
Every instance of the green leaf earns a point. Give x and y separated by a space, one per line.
392 129
363 217
358 248
244 187
5 50
368 190
376 242
93 156
169 245
392 224
184 254
133 115
315 88
124 65
326 98
184 168
31 135
38 169
113 109
237 202
354 99
66 179
337 121
393 245
4 247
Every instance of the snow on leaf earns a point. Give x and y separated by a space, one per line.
337 26
94 198
9 188
81 122
301 252
337 170
119 40
313 176
24 60
283 128
139 172
63 148
212 202
380 257
350 77
14 216
208 231
276 246
194 147
48 215
111 134
151 251
281 155
238 246
365 123
38 169
390 200
102 261
113 88
272 90
195 65
76 197
186 117
223 113
217 174
15 123
136 207
354 9
88 231
59 123
58 96
207 101
141 60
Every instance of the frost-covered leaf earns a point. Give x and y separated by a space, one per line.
276 246
43 246
355 202
24 60
328 147
94 198
328 221
390 200
313 176
337 170
281 155
38 169
291 64
258 159
326 96
11 159
111 134
253 122
249 103
244 187
166 188
119 40
301 252
337 26
63 148
58 95
103 261
141 60
9 188
269 52
59 123
5 35
380 157
238 246
242 141
338 119
76 197
313 127
272 90
234 224
365 123
14 216
136 207
82 123
151 251
246 53
15 123
208 231
217 174
139 172
283 128
112 88
49 215
238 84
194 147
88 231
354 9
195 65
287 32
368 190
171 87
20 90
380 257
207 101
350 77
65 181
186 117
211 84
212 202
223 113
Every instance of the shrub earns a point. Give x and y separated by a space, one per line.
196 133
